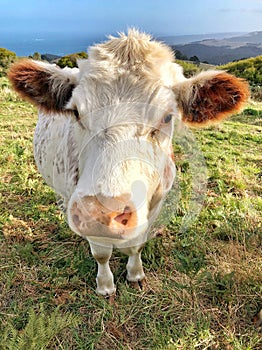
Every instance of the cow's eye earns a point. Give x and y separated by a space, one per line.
167 119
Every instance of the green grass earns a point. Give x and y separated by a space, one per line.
203 285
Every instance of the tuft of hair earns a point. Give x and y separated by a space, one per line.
134 51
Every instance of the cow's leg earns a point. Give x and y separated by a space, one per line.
135 272
105 278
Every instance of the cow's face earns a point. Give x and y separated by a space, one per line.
125 163
123 103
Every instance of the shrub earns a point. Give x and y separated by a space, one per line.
6 59
71 60
190 69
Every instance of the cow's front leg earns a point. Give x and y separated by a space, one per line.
135 272
105 278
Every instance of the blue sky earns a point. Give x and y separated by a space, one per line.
159 17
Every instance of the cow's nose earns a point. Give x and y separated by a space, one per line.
114 212
124 218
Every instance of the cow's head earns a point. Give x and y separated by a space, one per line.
123 102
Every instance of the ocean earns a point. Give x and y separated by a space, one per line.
61 44
57 44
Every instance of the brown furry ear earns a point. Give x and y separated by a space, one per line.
210 97
47 86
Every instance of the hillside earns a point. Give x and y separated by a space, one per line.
225 50
250 69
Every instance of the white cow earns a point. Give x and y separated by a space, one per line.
103 139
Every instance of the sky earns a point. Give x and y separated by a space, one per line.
104 17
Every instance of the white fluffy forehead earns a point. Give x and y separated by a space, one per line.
124 76
135 53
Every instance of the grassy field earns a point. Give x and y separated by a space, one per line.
203 286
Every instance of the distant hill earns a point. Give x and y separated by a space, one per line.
186 39
50 57
253 37
224 50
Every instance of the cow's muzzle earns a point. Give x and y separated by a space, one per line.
115 214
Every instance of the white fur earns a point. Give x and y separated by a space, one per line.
122 88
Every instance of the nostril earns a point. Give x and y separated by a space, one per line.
123 218
124 222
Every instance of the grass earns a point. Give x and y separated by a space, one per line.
203 285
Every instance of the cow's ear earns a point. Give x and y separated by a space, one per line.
45 85
210 97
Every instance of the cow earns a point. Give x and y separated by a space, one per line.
103 139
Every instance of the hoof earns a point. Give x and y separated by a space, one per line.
108 294
111 299
139 285
106 290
